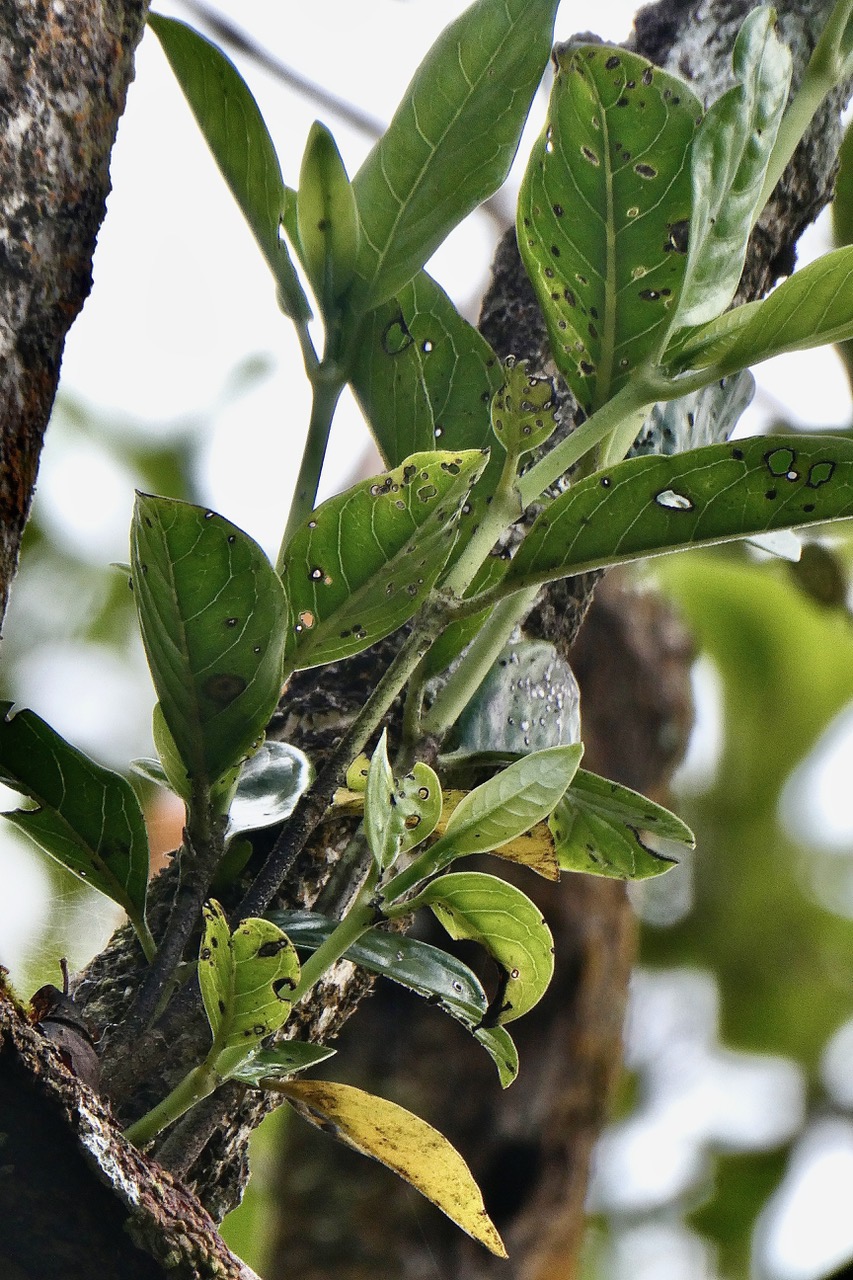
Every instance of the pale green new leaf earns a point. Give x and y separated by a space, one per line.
604 211
729 161
245 980
88 818
234 129
811 308
327 219
606 829
212 614
452 140
650 505
282 1060
365 561
402 1142
508 804
510 927
382 827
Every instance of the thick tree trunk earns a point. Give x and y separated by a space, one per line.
64 73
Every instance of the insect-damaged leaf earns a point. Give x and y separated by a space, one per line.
212 614
245 979
398 812
504 921
523 409
608 830
365 561
423 375
430 972
729 161
88 818
436 161
402 1142
604 211
650 505
234 129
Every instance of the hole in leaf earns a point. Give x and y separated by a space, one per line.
673 501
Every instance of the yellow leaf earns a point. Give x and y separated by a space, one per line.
402 1142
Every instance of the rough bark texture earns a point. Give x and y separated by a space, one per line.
63 72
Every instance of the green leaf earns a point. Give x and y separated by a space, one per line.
234 129
510 927
280 1061
430 972
327 219
245 980
523 414
509 804
365 561
608 830
603 214
268 787
402 1142
212 614
88 818
381 826
423 375
452 140
729 162
813 307
650 505
529 701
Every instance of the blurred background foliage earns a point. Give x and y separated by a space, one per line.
730 1156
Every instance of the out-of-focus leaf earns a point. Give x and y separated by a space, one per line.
402 1142
608 830
365 561
282 1060
88 818
650 505
245 979
268 787
510 927
234 129
703 417
529 701
729 162
604 211
212 614
452 139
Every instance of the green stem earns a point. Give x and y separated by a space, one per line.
826 69
504 508
327 383
197 1084
356 922
476 662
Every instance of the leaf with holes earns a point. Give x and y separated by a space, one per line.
523 412
647 506
507 805
327 219
730 154
88 818
605 829
440 978
365 561
245 978
402 1142
603 214
437 161
280 1061
424 378
812 307
234 129
510 927
212 614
